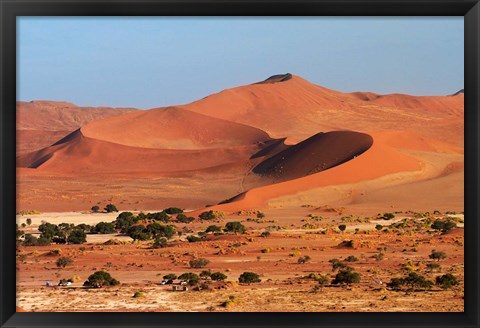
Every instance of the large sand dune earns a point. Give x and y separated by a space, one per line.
280 141
41 123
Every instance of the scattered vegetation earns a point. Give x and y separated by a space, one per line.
64 261
198 263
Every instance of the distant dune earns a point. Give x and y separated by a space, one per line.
172 128
278 142
40 123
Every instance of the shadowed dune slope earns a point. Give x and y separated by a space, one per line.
317 153
379 160
173 128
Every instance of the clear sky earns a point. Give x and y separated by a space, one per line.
148 62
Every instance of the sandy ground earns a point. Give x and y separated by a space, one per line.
140 268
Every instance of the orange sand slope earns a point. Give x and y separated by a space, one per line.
298 109
265 140
41 123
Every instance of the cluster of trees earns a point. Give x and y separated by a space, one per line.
346 274
108 208
154 231
64 233
444 225
415 281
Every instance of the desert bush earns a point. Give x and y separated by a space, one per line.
351 258
437 255
342 227
160 230
213 228
173 210
170 276
260 215
77 237
158 216
95 209
235 227
193 239
198 263
182 218
160 242
103 228
100 279
190 277
443 225
63 262
138 294
210 215
337 264
218 276
412 280
265 250
249 278
388 216
304 259
446 281
379 227
346 243
378 256
346 276
434 267
54 252
110 208
265 234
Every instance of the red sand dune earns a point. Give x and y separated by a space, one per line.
82 155
298 109
40 123
172 128
258 135
377 161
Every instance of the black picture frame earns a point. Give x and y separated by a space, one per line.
10 9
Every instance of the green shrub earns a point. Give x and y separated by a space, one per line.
173 210
379 227
77 236
437 255
190 277
100 279
351 258
182 218
213 228
446 281
218 276
412 280
342 227
95 209
235 227
103 228
170 276
347 276
110 208
138 295
198 263
249 278
304 259
63 262
193 239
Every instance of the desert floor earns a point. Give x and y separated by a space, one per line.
284 286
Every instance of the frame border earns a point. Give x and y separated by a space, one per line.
10 9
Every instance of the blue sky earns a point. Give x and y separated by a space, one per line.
148 62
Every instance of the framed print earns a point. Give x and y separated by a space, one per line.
224 163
